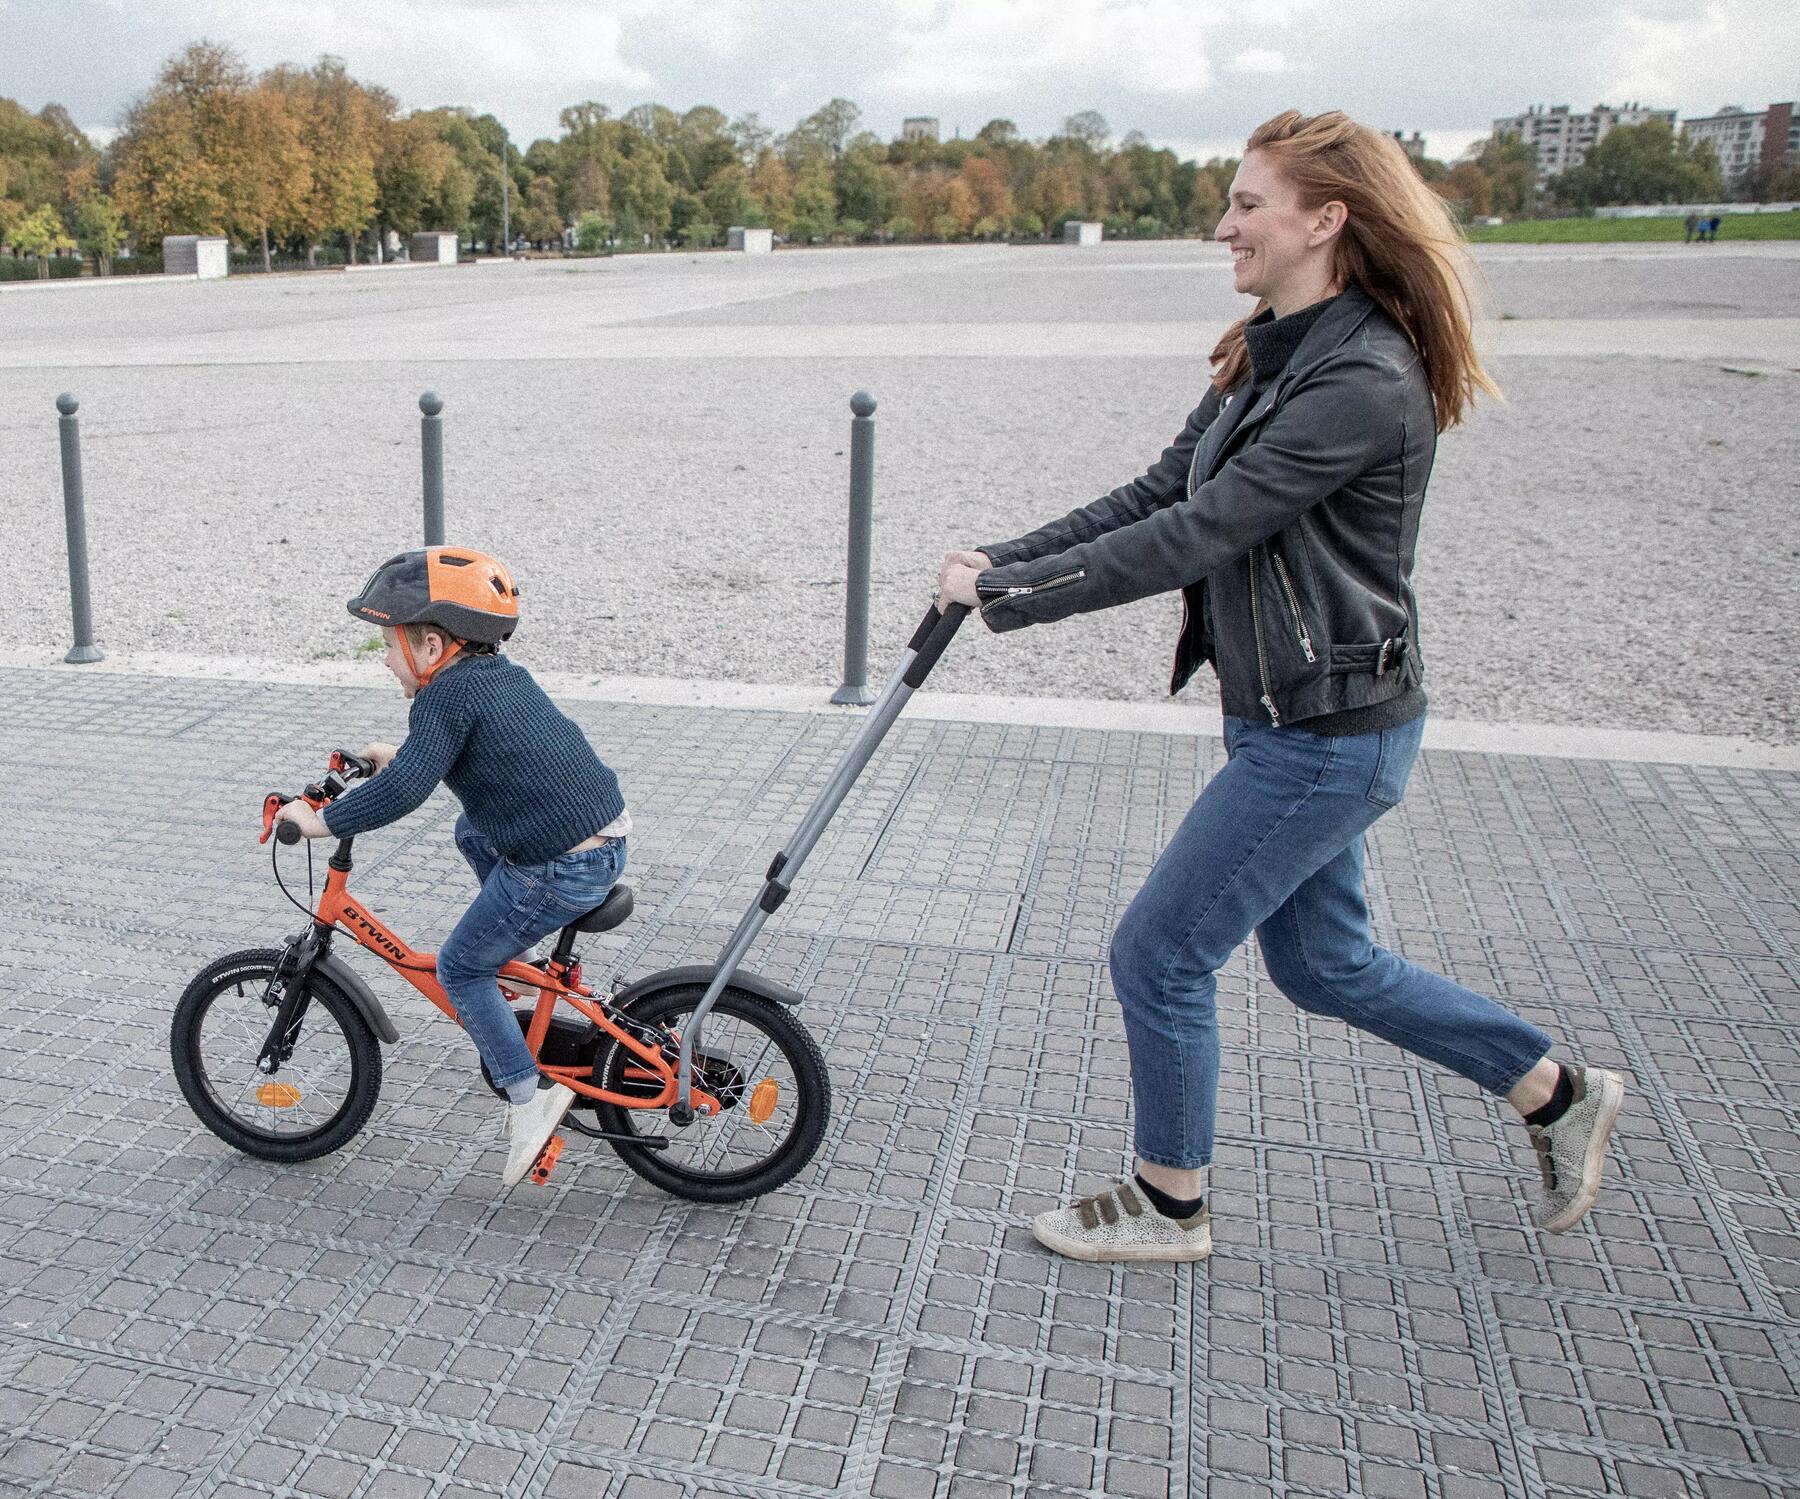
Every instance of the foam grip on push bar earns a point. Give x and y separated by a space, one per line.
286 832
926 626
940 635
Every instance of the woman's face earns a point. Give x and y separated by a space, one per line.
1278 248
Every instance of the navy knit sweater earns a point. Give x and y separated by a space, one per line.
525 774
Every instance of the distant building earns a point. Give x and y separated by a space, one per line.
1562 140
919 128
1413 147
1744 139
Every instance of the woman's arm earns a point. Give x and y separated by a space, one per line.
1161 484
1339 424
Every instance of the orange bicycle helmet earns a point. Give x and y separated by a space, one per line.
467 594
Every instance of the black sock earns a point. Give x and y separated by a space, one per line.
1559 1100
1169 1207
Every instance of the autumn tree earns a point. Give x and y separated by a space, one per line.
268 169
420 181
540 220
175 154
340 122
100 230
822 135
41 234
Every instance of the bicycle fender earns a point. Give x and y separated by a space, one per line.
347 979
702 975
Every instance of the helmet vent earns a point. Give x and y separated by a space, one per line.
450 559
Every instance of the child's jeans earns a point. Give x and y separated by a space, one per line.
518 905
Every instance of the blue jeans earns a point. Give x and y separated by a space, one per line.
1274 845
518 905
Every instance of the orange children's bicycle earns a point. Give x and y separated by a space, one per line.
699 1077
276 1049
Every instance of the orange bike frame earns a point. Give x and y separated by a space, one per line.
338 908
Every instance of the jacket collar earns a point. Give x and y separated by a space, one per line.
1347 313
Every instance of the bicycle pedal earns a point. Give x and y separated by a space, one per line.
546 1160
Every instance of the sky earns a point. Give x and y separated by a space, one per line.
1194 75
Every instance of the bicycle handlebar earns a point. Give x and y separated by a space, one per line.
343 768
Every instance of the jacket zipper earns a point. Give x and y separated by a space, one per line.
1015 590
1287 585
1262 663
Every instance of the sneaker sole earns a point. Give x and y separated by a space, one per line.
1077 1249
1612 1095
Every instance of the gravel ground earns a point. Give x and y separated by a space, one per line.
1614 546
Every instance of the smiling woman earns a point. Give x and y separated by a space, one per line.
1286 511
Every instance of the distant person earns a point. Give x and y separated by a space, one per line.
1286 512
1712 227
1690 224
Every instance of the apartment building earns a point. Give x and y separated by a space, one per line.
1562 138
1745 138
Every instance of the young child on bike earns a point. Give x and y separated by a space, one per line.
543 822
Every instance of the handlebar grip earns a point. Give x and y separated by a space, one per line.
942 628
286 832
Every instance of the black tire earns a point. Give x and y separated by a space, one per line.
745 1038
218 1031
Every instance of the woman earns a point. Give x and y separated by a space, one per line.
1286 512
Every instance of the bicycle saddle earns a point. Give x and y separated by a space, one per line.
608 914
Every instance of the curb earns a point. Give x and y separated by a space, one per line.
1552 741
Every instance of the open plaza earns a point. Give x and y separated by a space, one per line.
1602 832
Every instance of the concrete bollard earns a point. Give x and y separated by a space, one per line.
431 457
75 520
856 690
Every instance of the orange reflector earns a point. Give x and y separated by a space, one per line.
278 1095
762 1100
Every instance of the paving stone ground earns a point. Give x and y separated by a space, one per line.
1379 1318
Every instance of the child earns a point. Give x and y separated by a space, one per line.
543 823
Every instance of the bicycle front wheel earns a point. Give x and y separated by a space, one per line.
323 1093
757 1060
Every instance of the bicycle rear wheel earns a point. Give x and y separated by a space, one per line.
761 1064
323 1093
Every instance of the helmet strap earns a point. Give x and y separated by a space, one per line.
423 678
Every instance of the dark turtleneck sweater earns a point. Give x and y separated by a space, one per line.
1271 341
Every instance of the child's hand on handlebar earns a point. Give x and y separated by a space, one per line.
378 754
310 823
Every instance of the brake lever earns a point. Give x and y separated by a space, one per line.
355 765
272 803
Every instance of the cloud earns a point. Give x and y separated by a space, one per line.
1178 70
987 49
1259 60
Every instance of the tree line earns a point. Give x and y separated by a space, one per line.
297 161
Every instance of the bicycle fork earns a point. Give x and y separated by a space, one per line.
293 979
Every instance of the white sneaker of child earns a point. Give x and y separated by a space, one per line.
530 1126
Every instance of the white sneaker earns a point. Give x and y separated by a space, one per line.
1572 1151
530 1126
1120 1224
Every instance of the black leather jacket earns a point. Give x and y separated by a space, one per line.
1288 521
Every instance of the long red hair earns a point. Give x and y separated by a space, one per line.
1399 244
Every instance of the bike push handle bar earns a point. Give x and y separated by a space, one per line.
928 642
